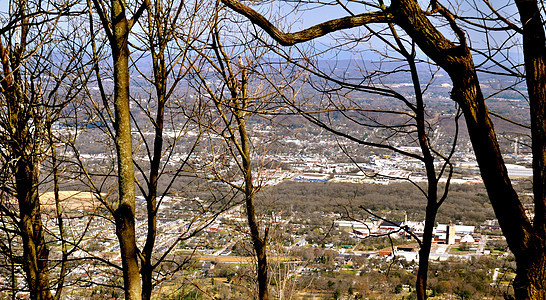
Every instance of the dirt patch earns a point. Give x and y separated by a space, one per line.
70 201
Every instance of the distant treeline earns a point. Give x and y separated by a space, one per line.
467 203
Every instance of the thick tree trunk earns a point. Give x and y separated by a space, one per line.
125 213
530 281
457 61
35 252
125 231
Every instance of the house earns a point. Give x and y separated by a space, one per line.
208 267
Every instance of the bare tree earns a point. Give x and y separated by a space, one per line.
406 119
117 27
169 47
41 75
526 238
231 83
161 56
234 117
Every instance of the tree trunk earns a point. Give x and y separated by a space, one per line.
458 62
125 213
151 208
432 190
146 272
25 147
424 252
125 230
259 242
263 291
160 83
35 252
530 281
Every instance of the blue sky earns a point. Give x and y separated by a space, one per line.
4 5
314 14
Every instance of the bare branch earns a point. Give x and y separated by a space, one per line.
288 39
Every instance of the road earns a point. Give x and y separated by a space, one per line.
482 244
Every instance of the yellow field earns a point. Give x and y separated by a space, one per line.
70 200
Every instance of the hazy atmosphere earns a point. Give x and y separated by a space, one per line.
167 149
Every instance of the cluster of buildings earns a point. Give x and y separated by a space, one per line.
444 237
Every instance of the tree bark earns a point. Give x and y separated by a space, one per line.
124 215
525 240
424 252
258 241
35 252
24 147
530 282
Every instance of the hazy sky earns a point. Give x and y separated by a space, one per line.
314 14
4 6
